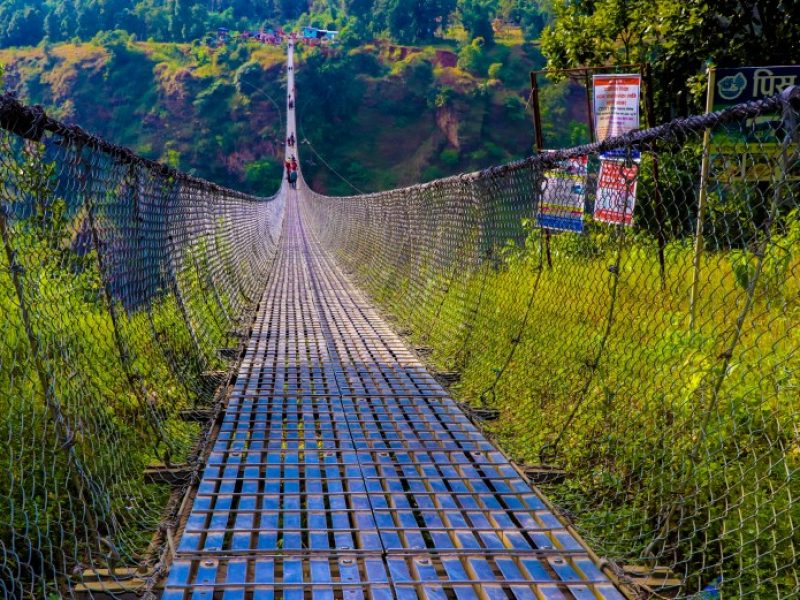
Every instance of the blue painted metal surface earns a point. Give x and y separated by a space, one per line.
342 469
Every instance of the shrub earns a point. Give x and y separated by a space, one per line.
471 57
450 157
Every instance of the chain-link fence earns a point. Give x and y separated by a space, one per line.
125 288
624 319
622 316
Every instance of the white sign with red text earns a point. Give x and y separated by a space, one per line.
616 104
616 191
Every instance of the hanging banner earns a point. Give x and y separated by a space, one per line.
564 196
756 144
616 112
616 191
616 108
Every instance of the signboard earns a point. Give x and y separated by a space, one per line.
742 84
616 191
616 106
756 143
564 196
616 112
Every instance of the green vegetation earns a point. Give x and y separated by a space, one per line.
404 21
142 74
679 444
23 24
384 116
379 114
210 111
678 37
105 339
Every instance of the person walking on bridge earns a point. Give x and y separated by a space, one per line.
291 172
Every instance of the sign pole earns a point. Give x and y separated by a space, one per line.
538 140
701 206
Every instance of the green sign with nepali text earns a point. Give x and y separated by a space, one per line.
757 141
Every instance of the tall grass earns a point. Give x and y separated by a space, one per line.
661 465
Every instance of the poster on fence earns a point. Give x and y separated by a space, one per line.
564 196
616 107
754 144
616 191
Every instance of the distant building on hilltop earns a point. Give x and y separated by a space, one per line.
314 36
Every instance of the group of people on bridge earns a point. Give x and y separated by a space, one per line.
291 162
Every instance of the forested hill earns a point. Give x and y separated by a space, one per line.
411 91
23 22
375 116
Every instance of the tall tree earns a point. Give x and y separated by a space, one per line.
360 9
52 26
411 21
291 9
89 20
25 28
476 17
180 19
678 37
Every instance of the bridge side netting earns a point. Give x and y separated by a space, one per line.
123 287
645 371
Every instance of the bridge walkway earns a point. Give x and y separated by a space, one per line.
343 470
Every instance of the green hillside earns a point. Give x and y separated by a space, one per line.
187 105
384 115
378 115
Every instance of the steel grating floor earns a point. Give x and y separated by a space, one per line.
343 470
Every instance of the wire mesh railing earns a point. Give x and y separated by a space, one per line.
124 285
623 318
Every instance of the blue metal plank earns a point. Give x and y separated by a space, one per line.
237 572
242 531
179 574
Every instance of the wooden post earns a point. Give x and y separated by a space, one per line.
537 113
547 248
590 112
701 206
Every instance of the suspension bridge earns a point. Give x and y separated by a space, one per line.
342 469
323 457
